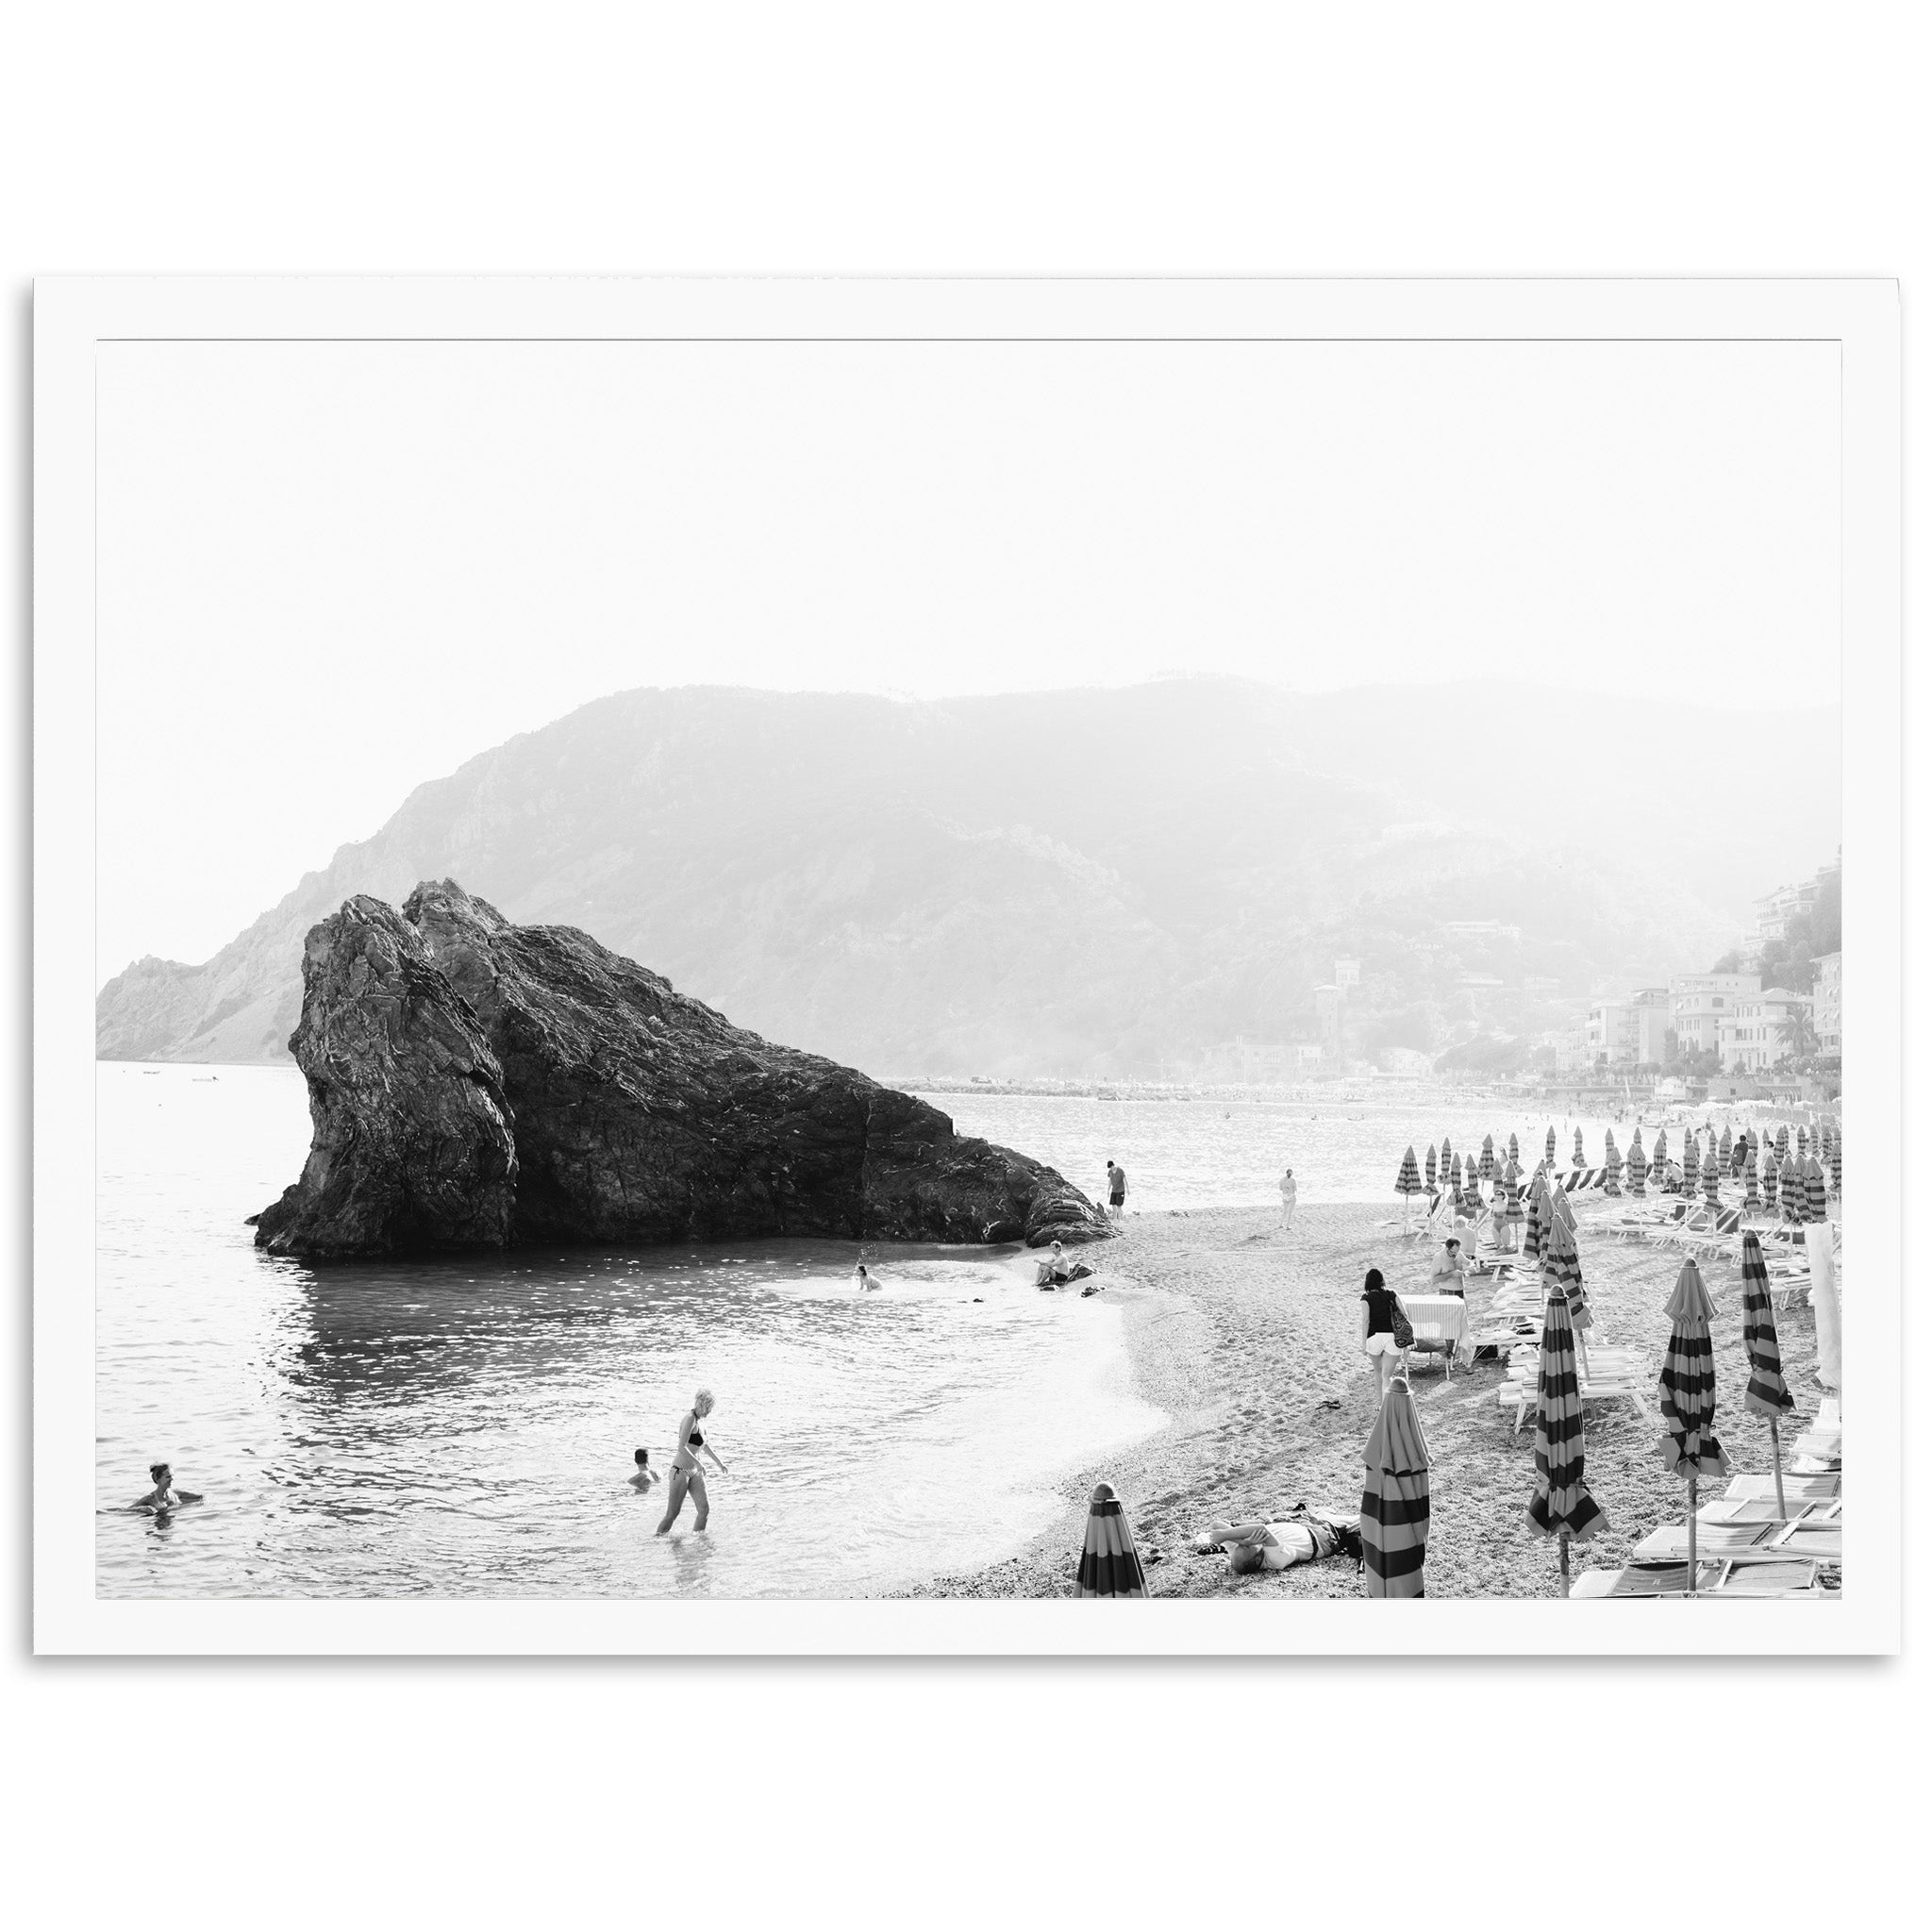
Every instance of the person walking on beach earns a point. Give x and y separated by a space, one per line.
1287 1198
1116 1191
1379 1311
686 1472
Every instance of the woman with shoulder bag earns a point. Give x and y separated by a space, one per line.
1384 1329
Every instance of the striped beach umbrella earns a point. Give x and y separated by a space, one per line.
1784 1146
1765 1394
1790 1189
1752 1200
1109 1564
1613 1165
1771 1175
1409 1184
1430 1167
1723 1148
1550 1144
1659 1157
1486 1166
1442 1165
1515 1152
1576 1153
1686 1394
1534 1211
1396 1498
1561 1505
1513 1206
1563 1272
1637 1166
1815 1208
1692 1161
1804 1145
1711 1175
1838 1159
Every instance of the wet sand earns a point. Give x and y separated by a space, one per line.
1245 1336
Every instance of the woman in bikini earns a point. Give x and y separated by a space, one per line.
686 1472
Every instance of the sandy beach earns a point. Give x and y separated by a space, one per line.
1245 1336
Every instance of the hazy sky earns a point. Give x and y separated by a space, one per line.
328 573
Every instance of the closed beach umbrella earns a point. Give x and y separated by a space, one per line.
1576 1152
1636 1166
1109 1564
1687 1394
1724 1147
1771 1175
1562 1267
1765 1393
1515 1152
1790 1189
1784 1146
1711 1175
1752 1198
1659 1158
1815 1208
1513 1206
1691 1162
1486 1167
1430 1167
1838 1156
1533 1223
1396 1498
1561 1505
1550 1144
1409 1184
1613 1165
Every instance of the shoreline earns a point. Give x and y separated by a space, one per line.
1245 1337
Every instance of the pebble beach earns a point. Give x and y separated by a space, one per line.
1245 1336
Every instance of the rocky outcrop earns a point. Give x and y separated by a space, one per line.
630 1111
412 1148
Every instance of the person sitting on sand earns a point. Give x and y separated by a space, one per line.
867 1281
163 1496
1448 1275
645 1475
1379 1310
1288 1193
686 1472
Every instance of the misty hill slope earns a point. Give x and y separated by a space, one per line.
1078 881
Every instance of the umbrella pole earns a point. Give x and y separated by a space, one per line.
1777 1470
1563 1565
1691 1570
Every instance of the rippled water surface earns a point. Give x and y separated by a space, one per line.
451 1429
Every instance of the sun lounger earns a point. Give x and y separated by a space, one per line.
1728 1577
1603 1374
1823 1487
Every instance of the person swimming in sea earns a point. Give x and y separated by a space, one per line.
645 1475
686 1472
164 1495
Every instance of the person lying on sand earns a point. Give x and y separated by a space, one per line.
163 1496
645 1476
1254 1547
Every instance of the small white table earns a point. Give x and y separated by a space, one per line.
1440 1318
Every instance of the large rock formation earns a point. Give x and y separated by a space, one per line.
586 1100
412 1147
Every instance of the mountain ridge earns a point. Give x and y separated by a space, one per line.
1085 881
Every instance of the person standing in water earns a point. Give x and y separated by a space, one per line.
1116 1191
645 1475
164 1495
867 1281
1288 1195
686 1472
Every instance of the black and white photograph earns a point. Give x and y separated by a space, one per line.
1099 960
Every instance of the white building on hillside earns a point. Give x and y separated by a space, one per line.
1757 1035
1828 1013
1703 1004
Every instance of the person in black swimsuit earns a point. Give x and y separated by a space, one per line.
686 1472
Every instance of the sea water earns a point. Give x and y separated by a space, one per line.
1203 1151
457 1428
